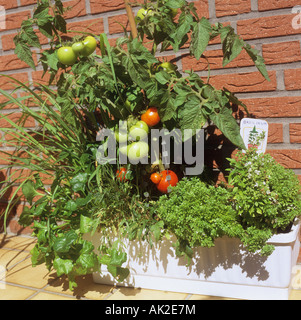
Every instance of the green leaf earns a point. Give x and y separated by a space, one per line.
24 53
79 181
64 242
25 219
191 114
28 35
200 37
120 274
258 60
86 224
225 121
117 259
29 191
232 47
71 205
156 229
175 3
62 266
180 33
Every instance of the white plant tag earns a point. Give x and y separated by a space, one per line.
250 129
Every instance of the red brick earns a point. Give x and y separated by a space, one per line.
12 62
106 5
275 133
3 99
8 41
244 82
28 2
266 27
202 8
8 84
232 7
94 26
14 20
264 5
274 107
295 132
14 227
115 21
290 158
9 4
16 117
4 158
215 59
283 52
77 8
292 79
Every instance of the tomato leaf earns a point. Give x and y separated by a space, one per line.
227 124
200 37
24 53
258 60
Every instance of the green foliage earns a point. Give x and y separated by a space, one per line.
99 91
275 191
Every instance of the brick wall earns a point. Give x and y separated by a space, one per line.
272 26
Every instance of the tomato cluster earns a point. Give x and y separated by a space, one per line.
68 55
164 180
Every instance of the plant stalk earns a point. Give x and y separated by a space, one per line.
131 19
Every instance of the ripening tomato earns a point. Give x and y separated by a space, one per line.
66 56
120 174
155 178
168 178
151 117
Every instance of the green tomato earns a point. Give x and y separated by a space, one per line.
167 66
66 56
137 133
77 48
142 13
90 45
124 149
121 137
141 124
137 151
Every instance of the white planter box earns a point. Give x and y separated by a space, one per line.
226 270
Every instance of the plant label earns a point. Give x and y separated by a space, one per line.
251 130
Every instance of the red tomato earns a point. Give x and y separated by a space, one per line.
151 117
120 174
156 178
169 178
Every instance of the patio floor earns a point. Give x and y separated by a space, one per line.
20 281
